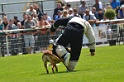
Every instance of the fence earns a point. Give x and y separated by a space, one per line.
11 42
15 41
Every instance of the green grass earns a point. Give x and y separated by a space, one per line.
106 66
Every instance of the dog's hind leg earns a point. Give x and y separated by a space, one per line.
45 65
56 68
53 68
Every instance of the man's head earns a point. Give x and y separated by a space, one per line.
5 19
28 17
31 7
87 11
35 6
83 3
70 11
59 5
24 16
97 1
68 6
11 21
93 9
15 18
65 13
19 25
75 10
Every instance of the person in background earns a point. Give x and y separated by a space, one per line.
1 38
31 11
24 19
67 7
100 14
82 8
64 14
59 13
22 36
34 19
42 33
89 17
5 22
47 18
114 3
108 7
95 12
102 24
70 12
98 5
15 19
38 11
14 37
121 2
59 7
120 14
28 37
75 12
35 34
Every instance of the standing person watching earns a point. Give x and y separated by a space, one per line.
22 36
28 37
14 37
1 38
5 22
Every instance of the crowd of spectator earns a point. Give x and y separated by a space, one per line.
34 17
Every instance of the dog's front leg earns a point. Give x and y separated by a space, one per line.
53 68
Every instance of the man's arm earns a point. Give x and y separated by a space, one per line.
59 22
91 38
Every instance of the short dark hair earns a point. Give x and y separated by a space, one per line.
15 17
68 5
83 2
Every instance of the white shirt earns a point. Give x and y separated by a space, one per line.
30 12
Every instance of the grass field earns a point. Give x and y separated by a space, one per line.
106 66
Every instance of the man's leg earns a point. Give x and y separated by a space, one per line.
76 46
32 44
26 40
63 40
63 53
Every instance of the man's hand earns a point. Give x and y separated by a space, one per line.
92 53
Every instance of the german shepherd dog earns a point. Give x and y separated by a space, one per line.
48 56
53 59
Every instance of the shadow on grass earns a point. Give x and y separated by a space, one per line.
61 72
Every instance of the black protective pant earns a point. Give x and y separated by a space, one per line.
72 35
